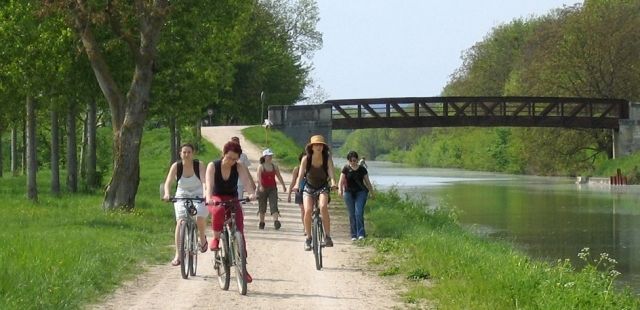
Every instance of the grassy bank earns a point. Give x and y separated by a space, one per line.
285 149
457 270
64 252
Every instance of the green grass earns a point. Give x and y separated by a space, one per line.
285 149
64 252
469 272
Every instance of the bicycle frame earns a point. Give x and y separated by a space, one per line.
232 251
188 231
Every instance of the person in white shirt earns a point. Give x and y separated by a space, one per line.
245 161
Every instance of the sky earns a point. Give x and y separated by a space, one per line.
405 48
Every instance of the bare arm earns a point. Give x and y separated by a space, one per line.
245 178
368 185
259 177
342 184
171 176
301 172
210 182
330 172
294 178
203 172
284 187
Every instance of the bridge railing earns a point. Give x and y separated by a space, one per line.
478 111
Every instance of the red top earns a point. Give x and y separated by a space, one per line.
268 178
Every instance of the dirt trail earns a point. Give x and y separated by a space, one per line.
284 275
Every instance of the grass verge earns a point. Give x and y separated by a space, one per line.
457 270
65 252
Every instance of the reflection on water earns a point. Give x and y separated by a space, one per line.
548 218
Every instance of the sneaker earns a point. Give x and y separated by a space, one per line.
328 242
353 239
361 238
215 245
277 224
261 225
307 245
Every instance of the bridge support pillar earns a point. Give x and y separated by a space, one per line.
626 139
302 121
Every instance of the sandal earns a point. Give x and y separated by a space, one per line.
175 262
204 246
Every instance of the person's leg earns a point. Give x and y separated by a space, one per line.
217 221
349 201
308 209
361 200
201 222
324 210
273 206
176 257
262 206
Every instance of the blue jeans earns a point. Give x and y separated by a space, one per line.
355 202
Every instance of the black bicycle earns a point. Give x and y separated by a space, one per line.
317 230
232 251
188 237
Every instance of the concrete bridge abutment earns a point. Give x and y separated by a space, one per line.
626 139
302 121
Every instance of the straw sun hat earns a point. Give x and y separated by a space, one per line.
317 139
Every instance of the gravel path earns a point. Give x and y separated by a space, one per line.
284 275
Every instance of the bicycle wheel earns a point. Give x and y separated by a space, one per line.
193 249
316 240
240 258
184 249
223 267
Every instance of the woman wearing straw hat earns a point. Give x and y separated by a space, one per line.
317 167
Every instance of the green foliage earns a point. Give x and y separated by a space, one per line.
474 273
65 252
285 149
585 50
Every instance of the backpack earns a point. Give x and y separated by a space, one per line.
325 163
196 169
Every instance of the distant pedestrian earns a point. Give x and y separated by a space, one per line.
298 193
362 163
268 189
244 160
354 187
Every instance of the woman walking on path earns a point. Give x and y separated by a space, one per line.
245 161
268 189
355 187
188 172
298 193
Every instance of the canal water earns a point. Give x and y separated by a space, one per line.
546 217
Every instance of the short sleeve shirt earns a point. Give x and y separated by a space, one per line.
355 178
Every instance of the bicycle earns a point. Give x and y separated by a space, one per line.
232 251
188 237
317 230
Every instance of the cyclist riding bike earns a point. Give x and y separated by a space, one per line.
187 172
316 168
222 185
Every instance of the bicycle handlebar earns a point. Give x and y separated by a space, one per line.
175 199
230 201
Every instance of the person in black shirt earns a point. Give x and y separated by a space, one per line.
355 187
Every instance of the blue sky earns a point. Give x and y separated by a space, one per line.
405 48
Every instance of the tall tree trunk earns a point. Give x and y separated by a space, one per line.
174 140
83 150
129 112
32 188
91 162
55 154
72 151
24 146
1 162
14 151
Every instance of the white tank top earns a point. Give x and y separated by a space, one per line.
189 187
